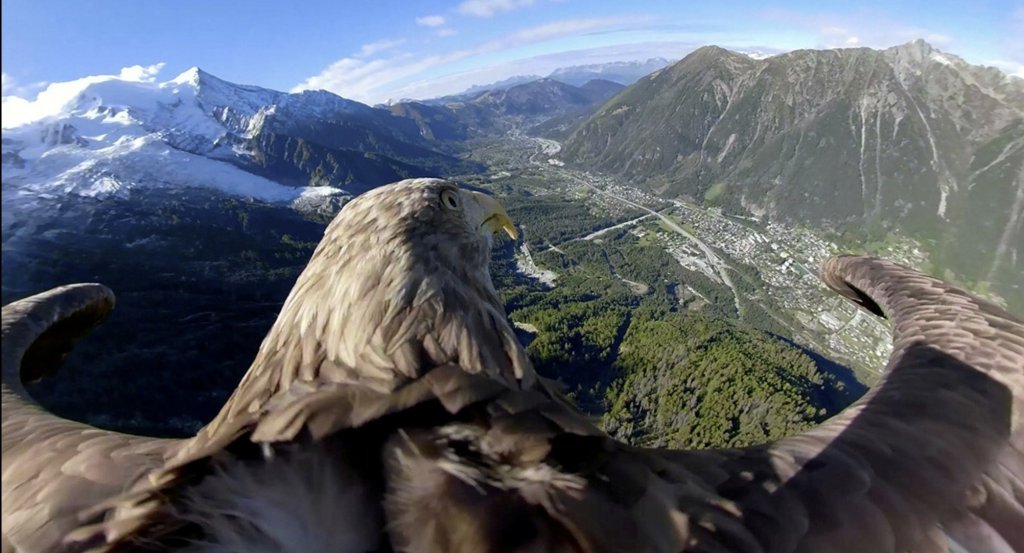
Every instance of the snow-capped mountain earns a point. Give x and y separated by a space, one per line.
107 135
198 201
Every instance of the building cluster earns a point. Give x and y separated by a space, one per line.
787 260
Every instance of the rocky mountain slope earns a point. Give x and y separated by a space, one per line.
908 139
546 98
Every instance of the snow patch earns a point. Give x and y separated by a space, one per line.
146 161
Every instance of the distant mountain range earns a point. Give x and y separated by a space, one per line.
497 85
861 140
621 72
497 111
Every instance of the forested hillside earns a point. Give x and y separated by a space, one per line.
658 367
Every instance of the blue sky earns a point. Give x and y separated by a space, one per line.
373 51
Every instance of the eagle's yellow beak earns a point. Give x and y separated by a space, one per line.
493 215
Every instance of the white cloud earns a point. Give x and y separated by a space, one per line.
487 8
14 111
543 65
570 27
879 37
376 80
1009 67
857 30
11 87
379 46
368 80
53 98
446 32
141 74
430 20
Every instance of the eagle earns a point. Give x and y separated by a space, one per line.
392 408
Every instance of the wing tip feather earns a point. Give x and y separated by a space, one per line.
38 331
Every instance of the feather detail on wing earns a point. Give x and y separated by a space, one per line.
305 414
53 467
934 448
931 454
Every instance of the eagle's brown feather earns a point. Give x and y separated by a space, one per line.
52 467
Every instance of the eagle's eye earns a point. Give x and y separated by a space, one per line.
450 199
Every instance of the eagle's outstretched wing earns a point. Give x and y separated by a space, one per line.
53 467
932 452
933 448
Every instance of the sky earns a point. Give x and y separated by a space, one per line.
380 50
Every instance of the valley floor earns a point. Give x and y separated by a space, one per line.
768 271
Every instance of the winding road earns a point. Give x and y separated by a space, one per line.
551 147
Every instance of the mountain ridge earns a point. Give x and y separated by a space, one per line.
621 72
97 133
908 139
497 111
